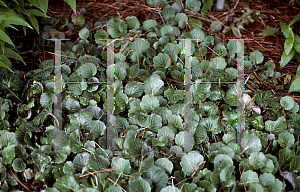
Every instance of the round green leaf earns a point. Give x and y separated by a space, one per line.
197 34
157 176
177 6
161 141
218 63
8 139
80 20
211 124
122 165
175 121
181 19
220 158
149 103
165 163
116 28
276 126
195 23
287 102
84 33
249 176
232 95
189 160
258 122
169 13
139 185
149 24
286 140
88 70
185 140
215 26
8 154
121 99
68 168
133 71
154 122
257 160
166 131
81 160
193 5
47 99
257 57
132 22
11 83
170 189
71 105
153 85
295 164
139 45
78 85
18 165
200 134
161 61
100 37
134 89
251 142
67 183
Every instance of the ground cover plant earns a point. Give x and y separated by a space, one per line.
158 146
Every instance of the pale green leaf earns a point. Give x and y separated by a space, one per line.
287 102
41 4
84 33
80 20
285 28
132 22
189 160
5 62
121 165
269 31
116 28
297 43
295 19
289 42
286 58
11 54
215 26
295 87
72 4
34 23
193 5
35 12
257 56
4 37
149 24
185 140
